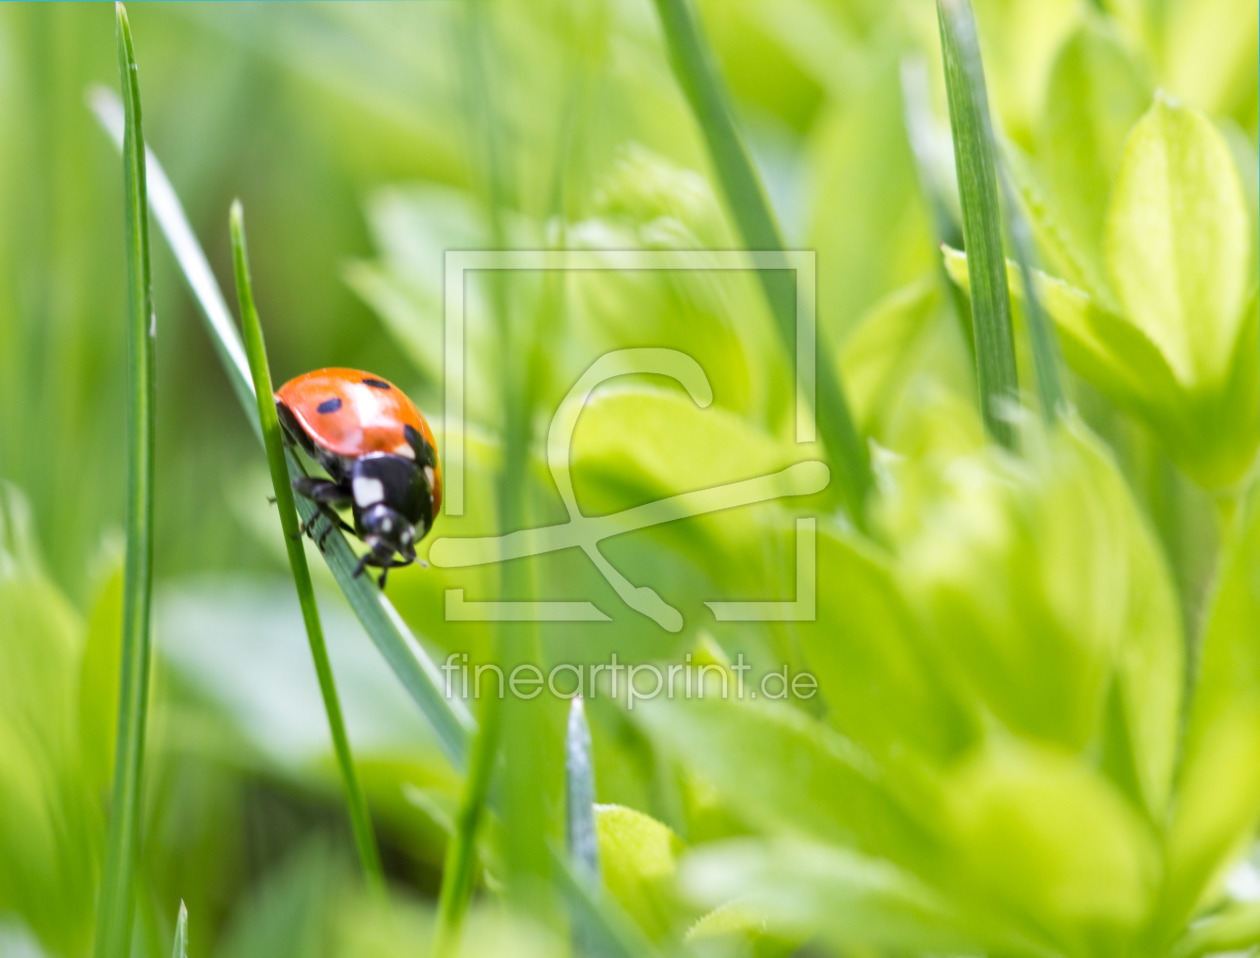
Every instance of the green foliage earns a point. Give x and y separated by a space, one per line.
1036 712
1181 349
52 830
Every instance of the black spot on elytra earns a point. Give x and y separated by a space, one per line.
376 383
329 405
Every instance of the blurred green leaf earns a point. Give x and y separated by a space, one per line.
98 679
1178 244
1219 790
808 890
639 861
823 786
1211 433
1096 92
52 831
877 669
1211 53
1040 834
1044 587
1234 929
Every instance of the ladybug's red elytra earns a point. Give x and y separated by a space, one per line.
379 453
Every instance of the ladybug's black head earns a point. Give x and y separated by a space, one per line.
392 505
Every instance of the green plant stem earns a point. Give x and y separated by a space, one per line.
982 218
116 906
698 76
256 351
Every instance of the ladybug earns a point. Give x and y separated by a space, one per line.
378 452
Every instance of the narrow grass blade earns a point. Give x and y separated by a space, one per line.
256 350
982 218
117 895
418 674
1041 337
459 868
180 949
583 843
698 76
917 117
611 932
579 812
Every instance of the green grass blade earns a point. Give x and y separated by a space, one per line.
256 350
180 948
916 97
982 217
611 932
117 895
418 674
698 76
579 816
1041 337
583 843
460 865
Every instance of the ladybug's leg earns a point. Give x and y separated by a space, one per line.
329 496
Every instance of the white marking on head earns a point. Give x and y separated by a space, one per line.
387 525
428 475
368 492
404 449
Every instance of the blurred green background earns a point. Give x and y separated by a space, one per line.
345 130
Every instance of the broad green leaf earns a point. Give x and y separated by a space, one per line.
639 859
1177 242
1096 92
1020 42
813 891
1219 791
98 679
877 670
1211 53
1235 928
51 828
865 213
795 775
1044 587
878 355
1042 835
